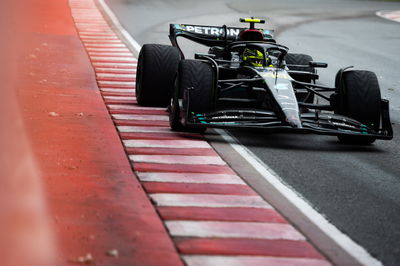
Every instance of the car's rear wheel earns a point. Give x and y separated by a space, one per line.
157 66
300 62
195 86
360 98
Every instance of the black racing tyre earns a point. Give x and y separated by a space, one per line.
301 59
157 66
196 83
360 99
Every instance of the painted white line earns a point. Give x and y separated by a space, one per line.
117 50
190 178
177 159
89 37
104 45
109 54
115 65
130 89
138 129
106 75
114 59
142 117
116 83
117 90
180 144
92 19
114 70
120 98
252 230
204 260
95 33
101 41
96 25
134 107
208 200
82 13
352 248
122 32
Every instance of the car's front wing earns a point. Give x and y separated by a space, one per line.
324 123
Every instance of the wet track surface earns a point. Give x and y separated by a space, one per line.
356 187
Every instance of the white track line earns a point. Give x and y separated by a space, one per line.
115 65
190 178
116 83
100 41
177 159
207 260
208 200
131 91
123 33
142 117
108 50
112 75
133 107
109 54
140 129
114 70
104 45
253 230
120 98
181 144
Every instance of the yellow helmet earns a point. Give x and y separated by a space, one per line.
253 57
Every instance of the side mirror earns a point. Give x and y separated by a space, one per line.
318 64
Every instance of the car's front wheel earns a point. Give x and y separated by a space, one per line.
195 87
359 98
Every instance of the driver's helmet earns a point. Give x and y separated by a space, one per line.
253 57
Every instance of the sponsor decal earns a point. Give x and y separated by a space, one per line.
342 124
283 97
225 117
275 75
205 30
282 86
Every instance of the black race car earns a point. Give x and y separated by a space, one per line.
247 80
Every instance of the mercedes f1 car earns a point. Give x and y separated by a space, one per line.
248 80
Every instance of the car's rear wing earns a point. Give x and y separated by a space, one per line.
210 35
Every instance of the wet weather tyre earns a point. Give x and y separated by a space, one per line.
156 71
360 99
301 59
197 83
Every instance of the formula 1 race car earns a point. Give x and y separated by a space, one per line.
247 80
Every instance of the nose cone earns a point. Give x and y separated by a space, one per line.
294 121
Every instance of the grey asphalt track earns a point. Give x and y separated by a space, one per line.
356 187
